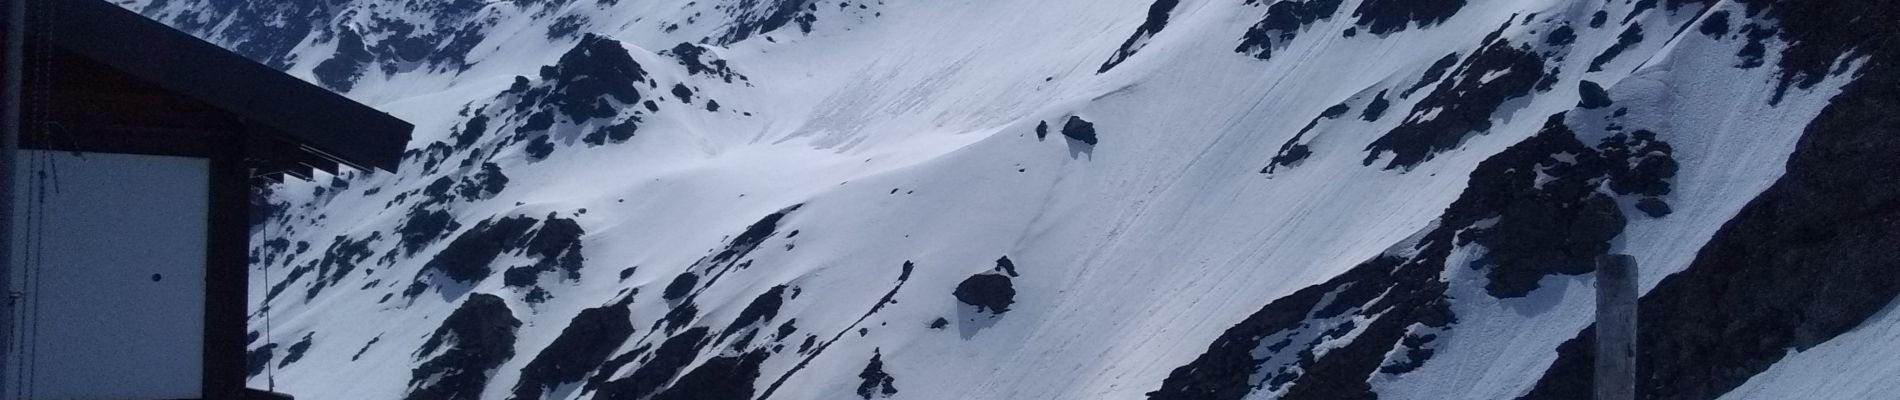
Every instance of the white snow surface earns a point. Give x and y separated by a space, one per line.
906 130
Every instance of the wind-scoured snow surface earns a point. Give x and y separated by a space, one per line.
1070 199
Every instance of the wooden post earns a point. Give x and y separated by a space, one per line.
1616 327
227 268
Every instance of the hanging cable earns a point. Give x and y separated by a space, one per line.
45 177
33 258
26 345
23 337
29 274
12 115
21 326
37 266
270 369
28 337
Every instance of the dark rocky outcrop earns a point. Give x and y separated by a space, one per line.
1756 49
681 286
682 92
424 227
991 291
1521 246
467 258
296 350
566 26
1797 266
474 340
433 156
540 147
1381 17
612 367
1461 104
1376 108
1294 150
615 133
767 16
438 192
341 70
700 60
580 348
596 84
295 274
874 382
1311 344
1080 130
806 346
519 277
1640 164
1283 22
1004 265
678 317
1592 95
484 184
1562 36
672 356
597 69
338 261
1715 25
270 33
557 244
1629 37
256 360
537 121
1157 19
812 348
270 249
1819 33
1290 153
1432 74
761 309
365 349
785 330
988 291
1638 8
266 33
1394 292
1654 208
726 377
555 247
753 235
707 271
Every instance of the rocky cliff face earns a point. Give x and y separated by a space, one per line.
1801 264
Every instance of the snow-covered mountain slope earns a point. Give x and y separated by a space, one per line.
1067 199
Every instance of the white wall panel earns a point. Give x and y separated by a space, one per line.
119 241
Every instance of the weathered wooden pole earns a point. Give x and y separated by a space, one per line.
1616 327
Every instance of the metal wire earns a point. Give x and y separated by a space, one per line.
270 369
44 173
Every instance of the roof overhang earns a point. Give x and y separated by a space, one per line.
321 127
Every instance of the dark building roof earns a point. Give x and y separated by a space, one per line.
298 123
